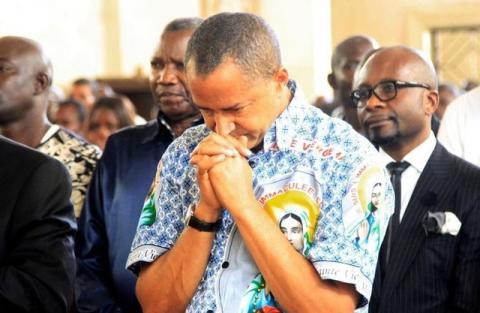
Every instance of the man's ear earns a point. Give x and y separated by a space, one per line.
42 83
332 81
430 102
281 76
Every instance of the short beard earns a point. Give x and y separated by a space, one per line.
383 141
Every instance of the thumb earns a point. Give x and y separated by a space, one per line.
243 140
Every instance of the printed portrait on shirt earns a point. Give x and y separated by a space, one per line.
296 213
367 204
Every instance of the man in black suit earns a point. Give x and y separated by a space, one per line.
430 258
37 264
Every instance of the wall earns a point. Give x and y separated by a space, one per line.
93 38
141 22
303 31
399 22
304 35
70 31
115 38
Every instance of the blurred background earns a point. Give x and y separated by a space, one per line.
112 40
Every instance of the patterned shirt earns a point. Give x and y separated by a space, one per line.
78 156
314 177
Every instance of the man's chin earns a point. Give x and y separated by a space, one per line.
9 118
176 108
382 140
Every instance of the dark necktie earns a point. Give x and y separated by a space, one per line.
395 169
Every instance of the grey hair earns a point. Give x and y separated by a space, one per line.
244 38
183 24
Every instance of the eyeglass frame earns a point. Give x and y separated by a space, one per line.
397 84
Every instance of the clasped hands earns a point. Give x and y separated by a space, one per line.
224 175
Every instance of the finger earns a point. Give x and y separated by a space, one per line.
244 150
204 163
215 144
211 149
240 145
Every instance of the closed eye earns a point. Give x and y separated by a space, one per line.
157 64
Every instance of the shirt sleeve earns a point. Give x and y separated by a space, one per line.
450 132
352 225
162 219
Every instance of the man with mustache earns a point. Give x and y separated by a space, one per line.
429 261
205 235
123 176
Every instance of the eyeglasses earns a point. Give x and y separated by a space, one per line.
385 91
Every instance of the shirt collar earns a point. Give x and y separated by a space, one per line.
50 132
418 157
163 128
283 129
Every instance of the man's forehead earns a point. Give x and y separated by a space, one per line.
14 57
357 51
174 38
382 67
13 46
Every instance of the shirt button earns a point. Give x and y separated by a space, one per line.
225 264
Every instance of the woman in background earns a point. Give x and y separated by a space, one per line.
108 115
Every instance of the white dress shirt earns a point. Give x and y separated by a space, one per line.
417 158
460 127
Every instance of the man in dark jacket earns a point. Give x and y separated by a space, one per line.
37 225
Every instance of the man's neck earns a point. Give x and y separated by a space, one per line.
400 149
178 127
29 133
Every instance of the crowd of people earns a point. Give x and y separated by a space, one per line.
240 196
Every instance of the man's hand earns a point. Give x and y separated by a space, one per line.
224 176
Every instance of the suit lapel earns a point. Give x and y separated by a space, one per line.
432 188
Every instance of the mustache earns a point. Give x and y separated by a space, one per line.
167 93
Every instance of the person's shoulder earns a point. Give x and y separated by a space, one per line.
465 102
190 138
132 136
467 174
136 131
78 144
21 158
15 152
462 168
337 132
178 152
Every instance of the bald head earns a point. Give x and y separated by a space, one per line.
402 62
354 45
345 59
26 78
396 96
29 53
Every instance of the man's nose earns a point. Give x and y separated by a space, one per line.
223 124
168 75
374 102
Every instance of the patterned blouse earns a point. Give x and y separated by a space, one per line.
78 156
